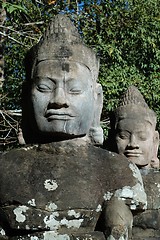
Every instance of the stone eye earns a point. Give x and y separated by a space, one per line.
75 91
123 135
43 88
142 136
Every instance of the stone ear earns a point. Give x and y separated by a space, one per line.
155 161
98 103
156 142
96 132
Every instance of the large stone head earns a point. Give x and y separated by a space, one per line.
65 100
133 129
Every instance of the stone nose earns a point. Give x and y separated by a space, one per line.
133 142
59 98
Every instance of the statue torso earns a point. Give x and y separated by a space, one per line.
57 188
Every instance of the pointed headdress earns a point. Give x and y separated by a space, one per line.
132 105
62 42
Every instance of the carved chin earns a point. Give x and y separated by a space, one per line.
63 127
139 161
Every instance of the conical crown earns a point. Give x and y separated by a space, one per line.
62 30
133 105
62 42
132 96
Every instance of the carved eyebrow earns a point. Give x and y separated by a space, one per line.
123 131
40 77
70 79
55 79
142 132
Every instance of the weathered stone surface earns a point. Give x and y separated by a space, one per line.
60 187
133 131
145 234
61 96
149 219
148 222
118 223
52 236
133 134
152 188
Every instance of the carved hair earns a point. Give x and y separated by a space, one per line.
132 103
61 42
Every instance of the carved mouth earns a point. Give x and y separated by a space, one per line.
132 154
58 115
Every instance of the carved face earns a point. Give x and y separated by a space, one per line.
135 139
63 98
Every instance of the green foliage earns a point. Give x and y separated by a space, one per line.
13 7
125 34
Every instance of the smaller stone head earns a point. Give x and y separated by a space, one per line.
133 126
65 100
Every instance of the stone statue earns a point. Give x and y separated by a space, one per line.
73 80
133 134
60 186
133 130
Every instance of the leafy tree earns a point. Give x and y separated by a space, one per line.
125 34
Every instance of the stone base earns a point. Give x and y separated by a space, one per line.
145 234
50 235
